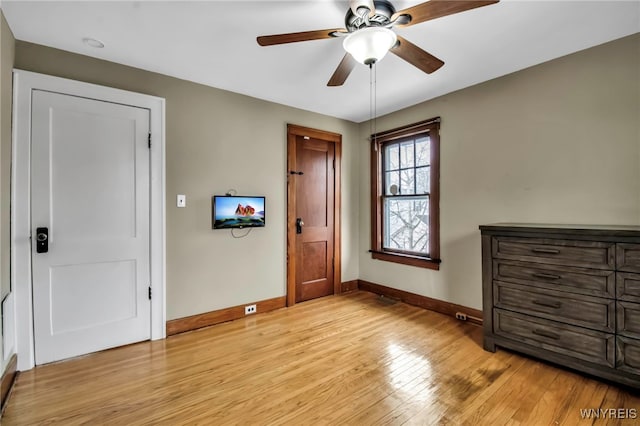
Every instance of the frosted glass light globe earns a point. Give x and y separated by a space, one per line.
369 45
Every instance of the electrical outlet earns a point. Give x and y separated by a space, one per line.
461 316
250 309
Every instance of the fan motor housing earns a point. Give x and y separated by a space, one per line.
380 18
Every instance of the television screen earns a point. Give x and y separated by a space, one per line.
231 211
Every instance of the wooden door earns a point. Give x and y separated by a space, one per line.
90 216
313 214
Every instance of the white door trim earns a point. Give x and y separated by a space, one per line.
24 82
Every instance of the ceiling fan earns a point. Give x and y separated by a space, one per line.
368 33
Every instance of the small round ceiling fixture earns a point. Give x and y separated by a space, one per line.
93 42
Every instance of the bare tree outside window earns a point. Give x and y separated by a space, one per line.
406 197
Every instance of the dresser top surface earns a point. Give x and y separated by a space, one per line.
567 229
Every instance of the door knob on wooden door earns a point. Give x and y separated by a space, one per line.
299 225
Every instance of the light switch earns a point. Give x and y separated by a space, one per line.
182 200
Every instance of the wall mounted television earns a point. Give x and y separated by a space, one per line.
235 211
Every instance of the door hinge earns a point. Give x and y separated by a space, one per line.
334 164
149 140
149 292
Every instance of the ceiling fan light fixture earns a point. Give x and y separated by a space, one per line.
369 45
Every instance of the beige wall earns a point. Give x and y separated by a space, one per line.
7 44
216 141
555 143
559 142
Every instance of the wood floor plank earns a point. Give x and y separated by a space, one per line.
549 410
355 359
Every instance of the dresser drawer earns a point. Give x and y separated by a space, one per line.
628 355
588 254
628 286
594 282
628 257
628 319
586 311
587 345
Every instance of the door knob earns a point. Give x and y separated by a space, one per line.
299 225
42 240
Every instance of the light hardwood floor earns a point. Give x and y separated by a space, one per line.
352 359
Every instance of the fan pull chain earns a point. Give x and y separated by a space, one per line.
371 132
373 99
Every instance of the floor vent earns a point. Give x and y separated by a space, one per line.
387 300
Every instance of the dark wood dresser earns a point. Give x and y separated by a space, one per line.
569 294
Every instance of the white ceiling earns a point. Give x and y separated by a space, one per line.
214 43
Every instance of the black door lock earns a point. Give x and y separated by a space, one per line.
299 224
42 240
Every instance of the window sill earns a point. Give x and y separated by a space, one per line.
406 259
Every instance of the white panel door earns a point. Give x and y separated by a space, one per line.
90 189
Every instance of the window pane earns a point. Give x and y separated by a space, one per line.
407 182
422 180
391 178
422 152
392 157
406 224
406 154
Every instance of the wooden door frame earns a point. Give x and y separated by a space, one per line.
24 82
292 132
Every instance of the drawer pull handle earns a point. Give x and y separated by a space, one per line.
554 305
546 276
545 250
547 334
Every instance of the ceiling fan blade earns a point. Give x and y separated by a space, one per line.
416 56
436 9
270 40
342 72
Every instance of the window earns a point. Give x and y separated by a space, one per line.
405 195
